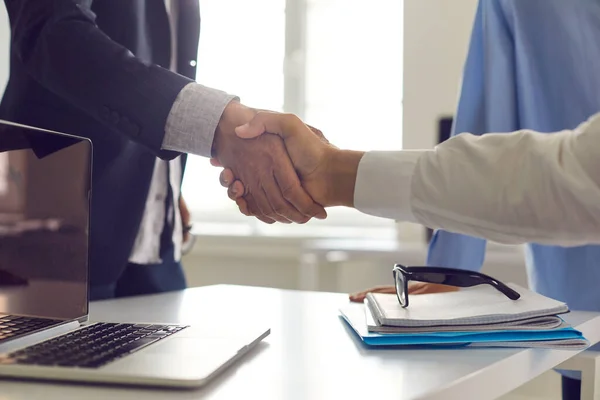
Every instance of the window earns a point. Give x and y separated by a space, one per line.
343 58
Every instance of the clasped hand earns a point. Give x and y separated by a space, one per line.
298 172
271 188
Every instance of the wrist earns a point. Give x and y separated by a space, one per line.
343 169
234 115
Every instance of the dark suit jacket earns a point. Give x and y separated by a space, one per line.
93 69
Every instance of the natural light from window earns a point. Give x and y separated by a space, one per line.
353 92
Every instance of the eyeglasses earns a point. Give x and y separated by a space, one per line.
444 276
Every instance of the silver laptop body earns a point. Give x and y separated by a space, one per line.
45 198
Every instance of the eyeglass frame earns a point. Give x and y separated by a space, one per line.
451 277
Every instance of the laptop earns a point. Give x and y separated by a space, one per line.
45 197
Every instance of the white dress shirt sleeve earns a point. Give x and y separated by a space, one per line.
509 188
193 119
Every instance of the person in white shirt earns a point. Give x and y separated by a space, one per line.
511 188
526 187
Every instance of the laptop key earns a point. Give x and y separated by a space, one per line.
155 336
156 327
137 344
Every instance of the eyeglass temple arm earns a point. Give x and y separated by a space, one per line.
467 279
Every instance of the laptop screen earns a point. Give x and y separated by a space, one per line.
45 181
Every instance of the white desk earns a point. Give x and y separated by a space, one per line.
312 354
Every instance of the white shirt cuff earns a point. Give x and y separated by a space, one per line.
194 118
383 184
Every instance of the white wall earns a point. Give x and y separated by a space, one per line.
4 46
436 37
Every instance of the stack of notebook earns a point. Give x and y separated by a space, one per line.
479 316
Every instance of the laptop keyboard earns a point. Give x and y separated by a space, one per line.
12 325
92 346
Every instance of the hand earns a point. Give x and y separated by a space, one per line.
236 187
327 173
272 188
413 288
186 219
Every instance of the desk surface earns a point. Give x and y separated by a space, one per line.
312 354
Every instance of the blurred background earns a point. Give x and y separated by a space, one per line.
372 75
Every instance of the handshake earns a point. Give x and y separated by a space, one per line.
279 169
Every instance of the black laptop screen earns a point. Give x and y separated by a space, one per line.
44 214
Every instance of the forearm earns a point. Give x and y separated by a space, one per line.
61 47
510 188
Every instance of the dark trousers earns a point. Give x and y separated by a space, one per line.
144 279
138 279
571 388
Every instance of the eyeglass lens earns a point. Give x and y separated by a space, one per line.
400 287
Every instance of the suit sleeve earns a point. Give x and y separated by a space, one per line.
61 47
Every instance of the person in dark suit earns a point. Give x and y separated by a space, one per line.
122 74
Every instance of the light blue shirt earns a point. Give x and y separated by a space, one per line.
532 64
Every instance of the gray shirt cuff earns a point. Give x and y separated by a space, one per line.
193 119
